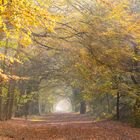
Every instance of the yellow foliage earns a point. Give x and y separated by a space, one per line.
2 56
11 60
18 19
3 76
25 40
3 2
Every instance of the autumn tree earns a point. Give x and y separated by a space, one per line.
108 34
19 20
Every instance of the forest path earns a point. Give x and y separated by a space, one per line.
67 126
59 118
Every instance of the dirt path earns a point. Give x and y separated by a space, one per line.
66 127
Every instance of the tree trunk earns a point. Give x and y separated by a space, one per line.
108 103
7 103
26 110
11 104
1 103
118 106
136 81
137 112
82 107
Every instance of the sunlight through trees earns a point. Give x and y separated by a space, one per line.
84 52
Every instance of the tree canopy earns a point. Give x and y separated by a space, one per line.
90 48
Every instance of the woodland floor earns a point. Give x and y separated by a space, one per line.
66 127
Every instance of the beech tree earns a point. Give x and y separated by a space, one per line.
19 20
109 50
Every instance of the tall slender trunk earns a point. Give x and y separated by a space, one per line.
82 107
7 103
118 106
108 103
136 81
11 105
1 103
2 107
11 101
